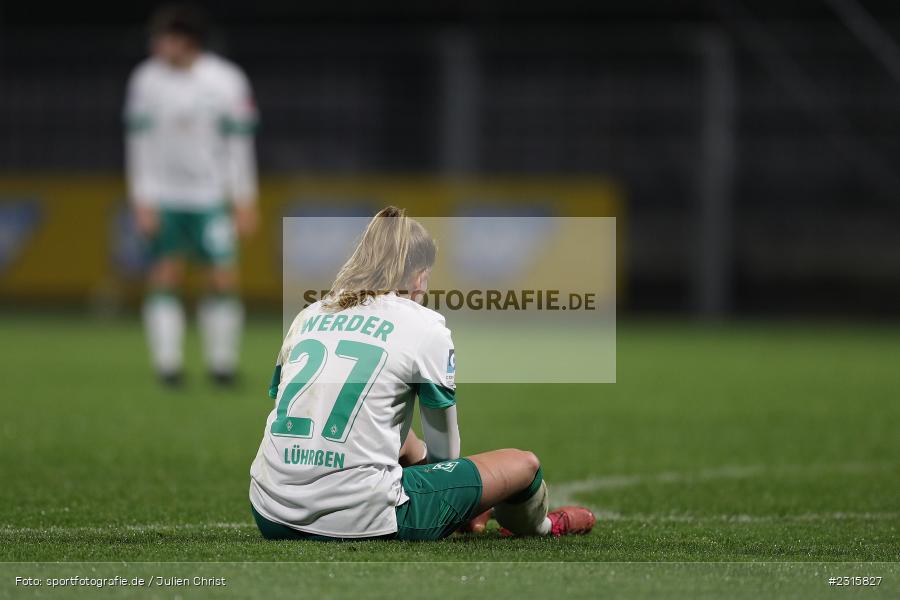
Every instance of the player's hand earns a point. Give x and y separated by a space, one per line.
146 219
246 219
477 524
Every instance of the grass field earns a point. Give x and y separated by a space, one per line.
749 442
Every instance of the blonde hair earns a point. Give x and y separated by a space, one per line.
393 248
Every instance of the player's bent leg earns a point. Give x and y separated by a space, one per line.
164 319
504 473
520 507
221 318
513 484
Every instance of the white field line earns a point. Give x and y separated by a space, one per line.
602 515
605 515
566 493
108 529
563 492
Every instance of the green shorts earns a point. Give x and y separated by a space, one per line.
206 236
442 497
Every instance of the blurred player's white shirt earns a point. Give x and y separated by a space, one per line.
190 143
349 485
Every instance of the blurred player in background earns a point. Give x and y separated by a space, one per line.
190 120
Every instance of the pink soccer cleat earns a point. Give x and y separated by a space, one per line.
571 520
567 520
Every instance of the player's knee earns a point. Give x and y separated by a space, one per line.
165 276
530 462
223 280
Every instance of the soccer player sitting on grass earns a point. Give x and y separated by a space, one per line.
338 459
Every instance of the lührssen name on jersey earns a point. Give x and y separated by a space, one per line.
295 455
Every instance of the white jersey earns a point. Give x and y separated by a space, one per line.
190 143
345 385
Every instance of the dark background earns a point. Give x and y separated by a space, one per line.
757 143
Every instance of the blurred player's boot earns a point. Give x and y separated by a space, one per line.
221 319
164 322
172 379
224 379
525 513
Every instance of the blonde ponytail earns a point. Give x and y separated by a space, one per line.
393 248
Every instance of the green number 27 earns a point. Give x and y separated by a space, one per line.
369 362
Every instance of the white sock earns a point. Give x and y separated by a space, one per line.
164 324
221 320
545 527
528 517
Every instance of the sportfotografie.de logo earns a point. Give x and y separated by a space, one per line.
488 300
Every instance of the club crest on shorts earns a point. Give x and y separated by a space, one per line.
445 466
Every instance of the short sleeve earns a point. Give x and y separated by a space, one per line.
435 365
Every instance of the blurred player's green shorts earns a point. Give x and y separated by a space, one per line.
207 236
442 497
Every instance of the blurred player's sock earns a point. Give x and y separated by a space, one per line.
164 322
221 319
525 513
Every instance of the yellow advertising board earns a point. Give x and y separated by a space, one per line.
69 237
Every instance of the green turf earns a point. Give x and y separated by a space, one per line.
748 442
